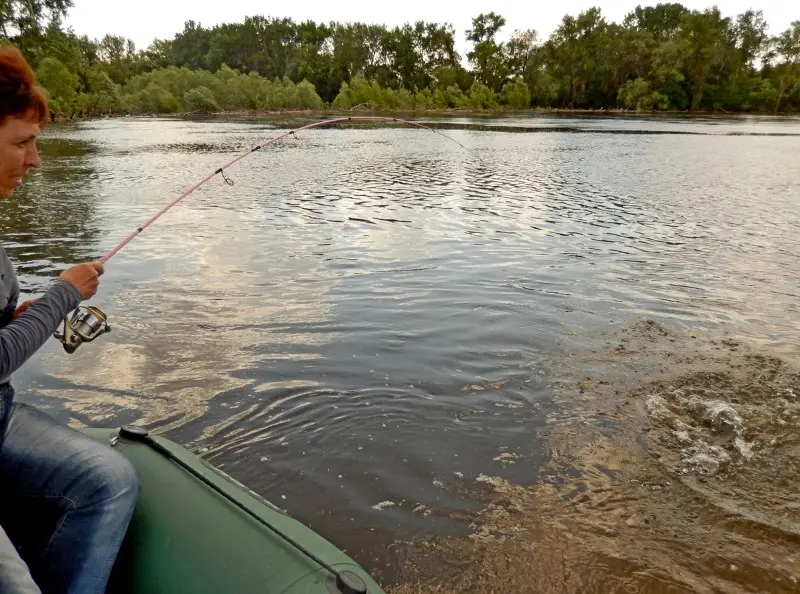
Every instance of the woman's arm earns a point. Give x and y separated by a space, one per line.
23 336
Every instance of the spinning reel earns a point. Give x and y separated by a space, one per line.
85 324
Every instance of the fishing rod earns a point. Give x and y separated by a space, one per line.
88 323
221 170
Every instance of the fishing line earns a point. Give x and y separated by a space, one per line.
88 323
229 181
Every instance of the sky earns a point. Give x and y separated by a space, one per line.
145 20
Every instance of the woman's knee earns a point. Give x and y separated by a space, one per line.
114 476
124 475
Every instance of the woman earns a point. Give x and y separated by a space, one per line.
65 500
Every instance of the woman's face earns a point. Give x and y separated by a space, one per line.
17 152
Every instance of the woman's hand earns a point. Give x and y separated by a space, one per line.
84 277
22 308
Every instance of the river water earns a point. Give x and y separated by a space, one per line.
383 332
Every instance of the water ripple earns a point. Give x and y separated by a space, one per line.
313 327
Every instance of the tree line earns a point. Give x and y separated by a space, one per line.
662 57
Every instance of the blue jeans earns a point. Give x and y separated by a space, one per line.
65 503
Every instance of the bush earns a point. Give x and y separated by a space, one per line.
227 89
200 99
481 96
424 100
361 92
517 94
402 99
153 99
306 97
93 104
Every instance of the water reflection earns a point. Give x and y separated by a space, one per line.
368 313
51 221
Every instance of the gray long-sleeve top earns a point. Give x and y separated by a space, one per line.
21 338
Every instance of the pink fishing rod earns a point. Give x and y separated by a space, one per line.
221 170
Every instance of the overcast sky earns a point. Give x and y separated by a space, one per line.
144 20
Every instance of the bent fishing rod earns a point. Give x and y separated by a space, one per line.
88 323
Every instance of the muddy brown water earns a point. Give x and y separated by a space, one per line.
561 360
672 467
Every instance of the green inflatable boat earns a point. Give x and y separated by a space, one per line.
196 530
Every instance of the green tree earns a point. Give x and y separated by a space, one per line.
703 45
104 94
314 60
663 56
521 52
189 48
545 89
661 22
666 74
491 67
61 85
118 56
788 50
447 76
571 52
21 17
751 36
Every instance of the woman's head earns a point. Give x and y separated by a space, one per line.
23 110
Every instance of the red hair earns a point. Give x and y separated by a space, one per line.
20 96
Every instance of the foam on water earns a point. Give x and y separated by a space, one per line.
710 432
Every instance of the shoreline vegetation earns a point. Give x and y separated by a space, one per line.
301 115
659 59
443 112
290 118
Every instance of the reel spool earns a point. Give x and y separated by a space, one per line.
85 324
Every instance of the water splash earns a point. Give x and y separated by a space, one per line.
710 431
